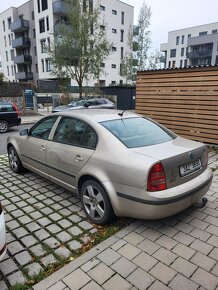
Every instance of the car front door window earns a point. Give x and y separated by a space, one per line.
42 129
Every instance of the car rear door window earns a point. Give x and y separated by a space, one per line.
6 108
43 128
75 132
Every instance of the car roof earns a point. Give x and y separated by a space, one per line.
5 103
98 115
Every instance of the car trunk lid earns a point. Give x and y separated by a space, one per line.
182 159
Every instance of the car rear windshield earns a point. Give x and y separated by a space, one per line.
138 132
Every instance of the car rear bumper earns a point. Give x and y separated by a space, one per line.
3 247
14 122
137 203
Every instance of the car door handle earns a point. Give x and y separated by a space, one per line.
78 158
42 148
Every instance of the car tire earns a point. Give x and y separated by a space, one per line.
14 160
4 126
96 203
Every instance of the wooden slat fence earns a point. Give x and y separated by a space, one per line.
183 100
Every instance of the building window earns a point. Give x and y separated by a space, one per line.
5 40
173 53
43 68
174 64
114 48
114 30
8 70
9 39
102 64
38 3
48 65
12 54
42 25
186 52
183 39
49 43
186 63
181 62
9 23
37 68
44 5
113 65
214 31
121 35
177 40
102 8
12 70
114 12
33 15
34 33
35 51
121 53
47 23
189 35
182 51
202 33
113 82
43 46
169 64
6 55
102 27
3 22
122 17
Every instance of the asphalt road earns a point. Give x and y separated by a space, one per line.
12 131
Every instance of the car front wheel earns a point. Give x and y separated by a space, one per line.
3 126
96 203
14 160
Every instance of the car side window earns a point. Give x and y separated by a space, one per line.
42 129
72 131
6 108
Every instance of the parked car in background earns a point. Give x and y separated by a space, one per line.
9 116
3 247
94 103
120 163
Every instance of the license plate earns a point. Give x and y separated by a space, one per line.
190 167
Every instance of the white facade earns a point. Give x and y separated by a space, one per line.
191 46
32 62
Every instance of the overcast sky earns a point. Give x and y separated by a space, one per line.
167 15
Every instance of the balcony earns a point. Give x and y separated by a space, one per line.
20 25
204 39
24 76
199 54
21 42
60 8
22 59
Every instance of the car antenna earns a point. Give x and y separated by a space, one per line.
121 114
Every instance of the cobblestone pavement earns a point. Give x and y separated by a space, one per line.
179 252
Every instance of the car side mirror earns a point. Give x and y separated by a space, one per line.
24 132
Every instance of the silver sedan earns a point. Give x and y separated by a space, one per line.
119 163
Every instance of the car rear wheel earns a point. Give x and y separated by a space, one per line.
4 126
96 203
14 160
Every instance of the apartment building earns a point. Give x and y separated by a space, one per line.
26 32
192 46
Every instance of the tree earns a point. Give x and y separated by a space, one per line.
155 59
139 43
1 77
80 44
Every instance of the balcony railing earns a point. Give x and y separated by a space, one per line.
24 76
20 25
199 54
59 7
23 59
21 42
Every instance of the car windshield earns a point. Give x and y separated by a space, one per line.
138 132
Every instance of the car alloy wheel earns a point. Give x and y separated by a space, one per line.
4 126
14 160
96 203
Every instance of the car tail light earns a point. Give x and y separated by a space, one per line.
1 208
15 109
156 178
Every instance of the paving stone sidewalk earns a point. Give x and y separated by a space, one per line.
44 222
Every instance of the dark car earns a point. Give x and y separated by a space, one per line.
9 116
93 103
